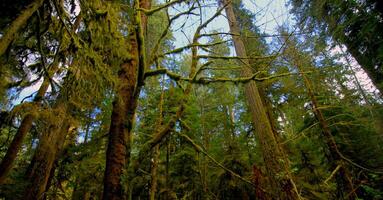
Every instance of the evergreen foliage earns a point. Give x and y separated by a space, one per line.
151 100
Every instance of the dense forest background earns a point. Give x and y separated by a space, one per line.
188 99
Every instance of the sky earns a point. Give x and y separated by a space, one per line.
270 14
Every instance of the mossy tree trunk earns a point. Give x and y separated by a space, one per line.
50 145
124 106
277 165
25 127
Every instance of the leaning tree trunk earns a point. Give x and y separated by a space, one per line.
26 123
277 165
124 106
343 177
17 24
50 145
25 126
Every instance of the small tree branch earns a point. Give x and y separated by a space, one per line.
160 7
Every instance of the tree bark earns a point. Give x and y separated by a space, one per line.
277 165
124 106
17 24
25 127
38 172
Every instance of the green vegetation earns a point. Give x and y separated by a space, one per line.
155 100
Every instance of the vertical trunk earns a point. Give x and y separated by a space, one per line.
25 126
50 145
153 172
156 151
17 24
121 124
124 106
257 181
277 165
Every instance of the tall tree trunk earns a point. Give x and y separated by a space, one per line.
50 144
17 24
156 151
153 173
25 127
124 106
277 165
121 124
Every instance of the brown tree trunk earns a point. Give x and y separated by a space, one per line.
17 24
50 145
124 106
25 126
257 179
277 165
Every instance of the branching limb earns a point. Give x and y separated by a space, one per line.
235 57
208 80
179 50
246 36
153 53
160 7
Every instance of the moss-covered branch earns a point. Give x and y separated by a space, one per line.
236 57
17 24
208 80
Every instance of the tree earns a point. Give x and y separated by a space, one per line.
276 163
355 24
